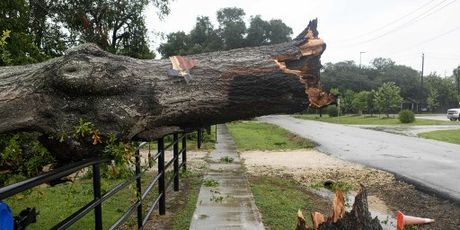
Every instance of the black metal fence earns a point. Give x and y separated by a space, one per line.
99 198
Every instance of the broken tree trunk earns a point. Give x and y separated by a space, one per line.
140 99
359 218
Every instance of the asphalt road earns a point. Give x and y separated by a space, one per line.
432 166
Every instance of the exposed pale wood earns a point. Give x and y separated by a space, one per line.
317 219
338 206
359 218
301 225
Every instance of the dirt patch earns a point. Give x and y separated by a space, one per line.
386 194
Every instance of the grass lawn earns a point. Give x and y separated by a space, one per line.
186 205
278 199
209 140
367 120
57 203
451 136
253 135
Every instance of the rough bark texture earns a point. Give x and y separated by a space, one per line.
359 218
137 99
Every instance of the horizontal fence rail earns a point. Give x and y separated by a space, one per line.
178 161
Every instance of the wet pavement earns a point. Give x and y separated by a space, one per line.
432 166
437 116
225 200
409 130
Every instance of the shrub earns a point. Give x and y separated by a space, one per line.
406 116
21 156
332 111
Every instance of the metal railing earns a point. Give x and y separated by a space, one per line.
99 198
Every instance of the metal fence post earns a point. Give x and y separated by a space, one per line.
97 196
138 189
161 180
184 152
176 161
200 138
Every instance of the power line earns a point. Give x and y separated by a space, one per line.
392 22
429 40
425 14
438 36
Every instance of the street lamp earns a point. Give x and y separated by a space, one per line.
360 54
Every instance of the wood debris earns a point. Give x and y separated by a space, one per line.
359 218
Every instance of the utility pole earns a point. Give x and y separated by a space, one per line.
423 64
421 82
457 77
360 54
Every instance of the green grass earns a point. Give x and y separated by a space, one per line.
209 140
253 135
209 182
184 215
226 159
57 203
278 200
367 120
451 136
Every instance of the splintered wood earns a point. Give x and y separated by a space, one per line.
359 218
300 65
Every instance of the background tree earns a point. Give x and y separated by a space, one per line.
359 102
279 32
346 75
204 38
231 33
387 98
382 64
114 25
178 44
232 27
19 45
347 101
262 32
370 103
258 32
441 92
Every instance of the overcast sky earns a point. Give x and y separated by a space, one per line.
396 29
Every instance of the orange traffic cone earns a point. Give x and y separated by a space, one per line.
403 220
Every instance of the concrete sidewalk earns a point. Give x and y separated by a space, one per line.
230 204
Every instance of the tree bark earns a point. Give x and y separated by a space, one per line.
137 99
359 218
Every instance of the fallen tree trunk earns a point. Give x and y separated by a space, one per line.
143 99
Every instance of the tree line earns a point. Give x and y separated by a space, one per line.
352 81
230 33
35 30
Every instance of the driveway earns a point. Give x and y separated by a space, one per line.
409 130
437 116
432 166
